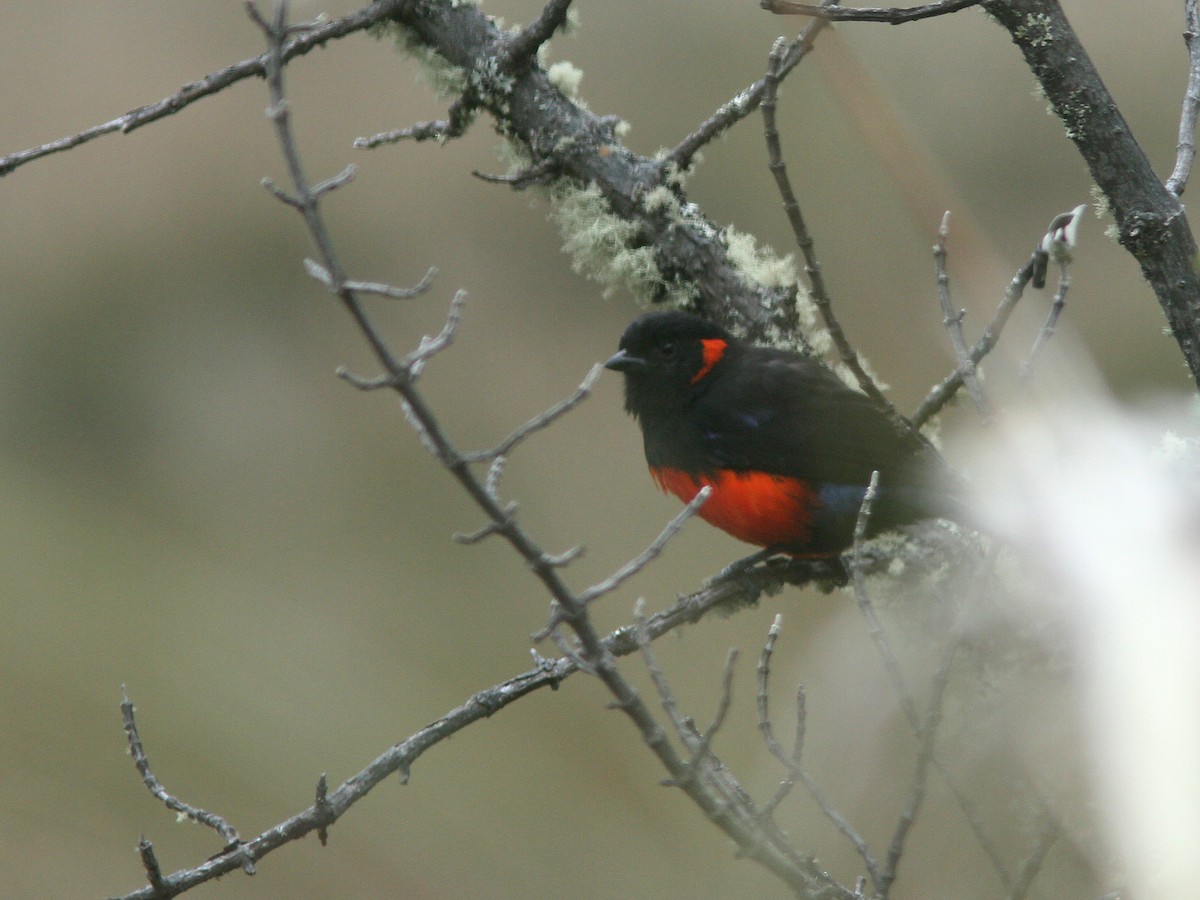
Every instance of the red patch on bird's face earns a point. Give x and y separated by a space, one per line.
755 507
714 349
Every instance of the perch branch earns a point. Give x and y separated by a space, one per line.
897 15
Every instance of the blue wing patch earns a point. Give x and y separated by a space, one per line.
842 498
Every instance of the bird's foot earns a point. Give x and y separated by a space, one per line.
738 568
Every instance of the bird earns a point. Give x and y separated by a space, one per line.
787 448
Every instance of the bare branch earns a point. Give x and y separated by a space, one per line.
319 273
792 762
458 119
343 177
526 42
867 607
892 16
639 562
1049 833
195 813
539 173
724 701
415 362
745 101
1058 245
925 756
398 759
160 885
541 420
684 727
1151 223
210 84
762 698
1047 330
1186 147
281 195
365 384
892 667
953 322
487 530
804 240
945 390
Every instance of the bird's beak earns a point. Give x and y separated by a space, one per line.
621 361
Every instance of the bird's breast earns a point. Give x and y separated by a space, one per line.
756 507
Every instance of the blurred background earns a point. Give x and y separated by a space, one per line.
192 505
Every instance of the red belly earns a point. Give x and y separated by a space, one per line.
766 510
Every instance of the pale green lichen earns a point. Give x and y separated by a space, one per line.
1035 30
760 265
444 78
600 243
490 77
672 174
1103 207
513 155
661 199
566 77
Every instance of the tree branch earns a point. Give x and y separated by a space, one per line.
690 259
210 84
1151 223
953 322
804 240
892 16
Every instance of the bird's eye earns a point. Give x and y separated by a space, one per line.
666 349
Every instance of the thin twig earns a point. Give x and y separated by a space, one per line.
458 119
892 667
925 756
429 347
525 43
639 562
804 239
762 700
684 727
1058 244
945 390
1047 330
891 16
745 101
319 273
1050 832
210 84
538 173
162 887
195 813
1186 148
793 761
541 420
724 701
953 322
867 607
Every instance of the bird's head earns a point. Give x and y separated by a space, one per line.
665 357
